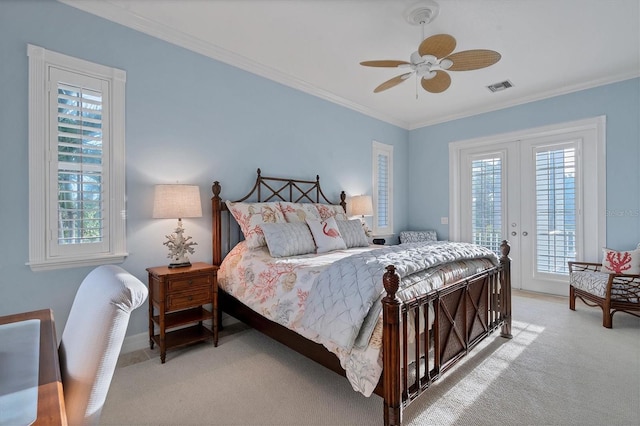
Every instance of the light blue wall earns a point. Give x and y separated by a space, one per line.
619 102
194 120
188 118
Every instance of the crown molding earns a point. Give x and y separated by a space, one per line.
119 14
615 78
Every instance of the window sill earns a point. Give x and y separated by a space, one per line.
52 264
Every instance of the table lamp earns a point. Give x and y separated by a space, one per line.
175 202
361 205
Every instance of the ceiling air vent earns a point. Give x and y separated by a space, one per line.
503 85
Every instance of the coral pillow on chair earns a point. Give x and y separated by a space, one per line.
621 262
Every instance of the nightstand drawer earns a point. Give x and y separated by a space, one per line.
187 300
191 283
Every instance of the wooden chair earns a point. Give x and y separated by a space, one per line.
611 292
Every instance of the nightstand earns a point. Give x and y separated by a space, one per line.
176 299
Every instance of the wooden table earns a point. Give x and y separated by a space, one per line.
51 409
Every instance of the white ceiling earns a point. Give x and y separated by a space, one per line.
548 47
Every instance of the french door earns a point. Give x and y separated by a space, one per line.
542 191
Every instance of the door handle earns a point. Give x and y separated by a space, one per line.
514 233
525 233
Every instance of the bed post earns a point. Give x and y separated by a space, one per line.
343 203
216 225
505 289
391 348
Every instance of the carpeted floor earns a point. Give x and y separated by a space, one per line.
561 367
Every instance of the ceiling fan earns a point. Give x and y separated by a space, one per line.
434 56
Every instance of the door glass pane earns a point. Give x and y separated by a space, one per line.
556 210
486 202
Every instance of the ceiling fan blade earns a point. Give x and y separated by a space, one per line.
439 45
384 63
393 82
473 59
437 84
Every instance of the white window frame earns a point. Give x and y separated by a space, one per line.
43 190
385 150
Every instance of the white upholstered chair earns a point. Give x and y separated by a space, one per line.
92 339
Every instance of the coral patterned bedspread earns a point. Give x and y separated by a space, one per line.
278 288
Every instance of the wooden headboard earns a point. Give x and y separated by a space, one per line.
265 189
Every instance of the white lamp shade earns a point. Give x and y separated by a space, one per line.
176 201
361 205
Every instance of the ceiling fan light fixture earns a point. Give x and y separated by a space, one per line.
445 64
430 59
429 75
416 58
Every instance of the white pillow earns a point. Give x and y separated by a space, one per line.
352 233
288 239
326 235
621 262
251 215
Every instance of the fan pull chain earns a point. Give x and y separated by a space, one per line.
416 87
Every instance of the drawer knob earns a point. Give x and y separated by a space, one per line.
190 282
190 298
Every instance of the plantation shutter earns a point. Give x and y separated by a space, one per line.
556 214
486 202
382 217
382 189
79 216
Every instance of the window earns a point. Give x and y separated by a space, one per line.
76 162
382 189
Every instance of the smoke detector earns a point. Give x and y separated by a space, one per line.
422 13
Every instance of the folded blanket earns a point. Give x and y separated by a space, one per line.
343 295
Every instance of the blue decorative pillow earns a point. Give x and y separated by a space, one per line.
352 233
288 239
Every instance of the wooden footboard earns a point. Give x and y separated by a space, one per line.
465 312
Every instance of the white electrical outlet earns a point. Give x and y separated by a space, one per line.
444 220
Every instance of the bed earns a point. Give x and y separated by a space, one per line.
422 307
